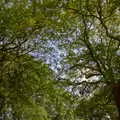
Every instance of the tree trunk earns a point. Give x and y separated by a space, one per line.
116 91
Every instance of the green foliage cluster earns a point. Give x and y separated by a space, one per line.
28 89
87 31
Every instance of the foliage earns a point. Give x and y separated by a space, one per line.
87 31
90 39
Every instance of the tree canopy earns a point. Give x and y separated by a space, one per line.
59 59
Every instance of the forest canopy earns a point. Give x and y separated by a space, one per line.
59 59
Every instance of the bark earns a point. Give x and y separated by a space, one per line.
116 91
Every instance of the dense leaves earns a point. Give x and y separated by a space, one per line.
82 37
